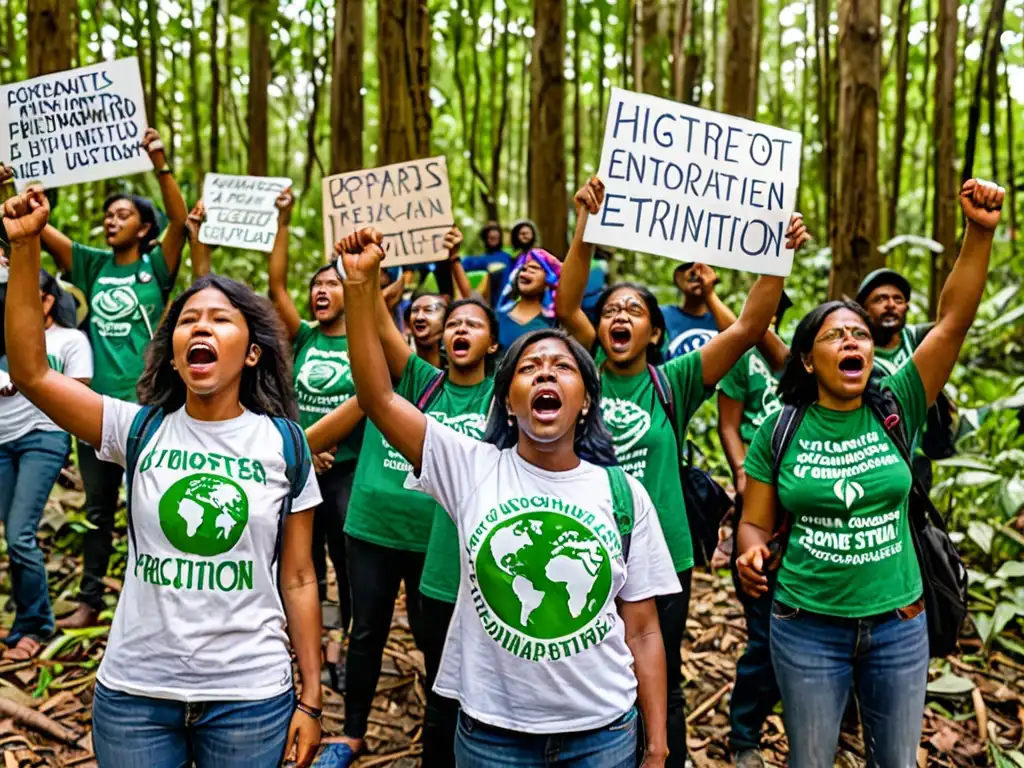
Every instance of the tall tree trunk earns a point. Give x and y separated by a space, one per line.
925 117
693 68
214 87
777 106
974 111
577 77
638 44
153 31
259 81
498 139
740 41
522 164
403 36
1011 170
680 28
548 197
900 129
346 84
826 134
655 45
716 56
49 36
944 150
855 239
804 95
993 96
193 76
316 79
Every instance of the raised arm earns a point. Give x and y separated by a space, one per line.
174 202
278 268
401 422
396 351
774 350
572 285
958 304
201 252
56 243
452 243
70 404
335 426
730 416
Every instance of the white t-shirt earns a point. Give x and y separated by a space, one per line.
68 352
200 617
536 644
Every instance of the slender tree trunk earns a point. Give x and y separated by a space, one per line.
993 95
193 76
289 110
741 37
716 56
944 149
902 46
826 136
602 18
577 77
214 87
804 95
974 111
693 69
925 118
49 36
316 79
153 31
679 33
498 141
346 84
638 44
548 197
259 81
627 21
137 30
1011 169
855 242
522 164
403 36
777 107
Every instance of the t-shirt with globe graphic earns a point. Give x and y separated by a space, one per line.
125 305
323 381
646 440
752 383
541 568
200 617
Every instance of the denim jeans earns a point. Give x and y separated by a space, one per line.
482 746
820 661
102 481
139 732
29 466
672 613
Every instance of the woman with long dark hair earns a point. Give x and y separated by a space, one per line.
848 612
220 498
638 394
32 453
554 637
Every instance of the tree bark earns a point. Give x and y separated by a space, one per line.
346 84
993 94
49 36
826 136
316 84
193 77
1011 170
988 50
900 129
153 92
577 110
944 149
498 139
214 87
680 30
403 35
740 42
548 197
259 81
855 238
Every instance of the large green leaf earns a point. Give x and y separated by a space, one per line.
981 534
1011 570
951 685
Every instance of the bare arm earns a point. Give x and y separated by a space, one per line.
774 350
721 353
396 351
572 285
335 426
401 422
452 244
958 303
643 636
174 202
278 267
201 252
58 245
70 404
730 415
754 533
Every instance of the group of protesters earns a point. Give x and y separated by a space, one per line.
502 433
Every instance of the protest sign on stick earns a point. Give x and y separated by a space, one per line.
75 126
240 210
410 203
696 185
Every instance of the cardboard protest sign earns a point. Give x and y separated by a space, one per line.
80 125
240 210
410 203
696 185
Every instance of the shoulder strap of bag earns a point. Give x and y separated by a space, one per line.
782 435
622 506
663 390
430 391
144 426
297 465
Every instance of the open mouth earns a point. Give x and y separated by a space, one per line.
852 366
420 326
460 346
321 304
620 337
546 405
200 357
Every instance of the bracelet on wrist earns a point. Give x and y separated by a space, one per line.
164 170
314 712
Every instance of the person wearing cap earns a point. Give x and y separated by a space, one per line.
885 296
691 325
495 260
32 453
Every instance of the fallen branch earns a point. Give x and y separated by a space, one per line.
981 713
32 719
708 704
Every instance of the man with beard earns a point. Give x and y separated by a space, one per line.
691 325
885 296
495 260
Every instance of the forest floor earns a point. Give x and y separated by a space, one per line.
975 713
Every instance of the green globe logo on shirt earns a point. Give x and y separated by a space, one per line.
204 515
115 304
324 375
626 420
544 574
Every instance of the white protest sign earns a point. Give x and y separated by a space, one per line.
240 210
410 203
696 185
80 125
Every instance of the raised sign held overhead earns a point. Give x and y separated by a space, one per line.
240 210
410 203
696 185
80 125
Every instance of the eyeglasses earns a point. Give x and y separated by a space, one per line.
433 308
631 308
839 334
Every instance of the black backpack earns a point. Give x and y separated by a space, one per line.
943 575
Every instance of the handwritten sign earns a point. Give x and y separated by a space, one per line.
240 211
80 125
410 203
696 185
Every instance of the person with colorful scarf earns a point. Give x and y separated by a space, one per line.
528 301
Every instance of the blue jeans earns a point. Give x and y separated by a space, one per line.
139 732
483 746
29 466
819 661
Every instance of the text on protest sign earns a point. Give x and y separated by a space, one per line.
410 203
80 125
240 210
696 185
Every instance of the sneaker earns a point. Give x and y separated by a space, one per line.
749 758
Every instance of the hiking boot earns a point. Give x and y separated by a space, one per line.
84 616
749 758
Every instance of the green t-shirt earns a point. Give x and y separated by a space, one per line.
323 381
464 409
752 383
646 442
888 361
846 486
125 305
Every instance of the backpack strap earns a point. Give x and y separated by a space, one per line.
431 390
144 426
622 506
297 465
782 435
664 392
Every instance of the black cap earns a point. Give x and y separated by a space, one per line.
882 277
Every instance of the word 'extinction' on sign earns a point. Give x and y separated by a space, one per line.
410 203
241 210
80 125
696 185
